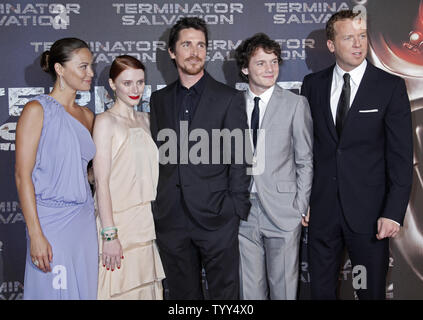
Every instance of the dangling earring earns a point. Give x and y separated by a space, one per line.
61 84
114 95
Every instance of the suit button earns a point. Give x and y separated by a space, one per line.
338 151
334 178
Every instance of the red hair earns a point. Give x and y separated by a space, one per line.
122 63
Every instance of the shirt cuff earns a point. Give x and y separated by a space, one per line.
398 224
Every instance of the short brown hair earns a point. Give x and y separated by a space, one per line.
248 48
122 63
340 15
186 23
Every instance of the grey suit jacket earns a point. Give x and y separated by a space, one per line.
283 158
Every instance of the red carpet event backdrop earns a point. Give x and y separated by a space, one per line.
141 28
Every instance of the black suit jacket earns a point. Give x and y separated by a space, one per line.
213 192
371 163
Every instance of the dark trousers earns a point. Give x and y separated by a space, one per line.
325 250
185 248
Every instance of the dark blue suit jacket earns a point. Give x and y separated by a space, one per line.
371 163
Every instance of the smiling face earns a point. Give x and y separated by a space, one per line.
190 52
129 86
77 73
350 43
262 71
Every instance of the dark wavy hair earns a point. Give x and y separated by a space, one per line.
186 23
122 63
248 47
60 52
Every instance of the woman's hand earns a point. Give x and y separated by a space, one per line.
41 252
112 254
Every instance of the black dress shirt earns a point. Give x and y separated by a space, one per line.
188 99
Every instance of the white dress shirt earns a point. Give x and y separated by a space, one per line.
264 100
338 81
336 89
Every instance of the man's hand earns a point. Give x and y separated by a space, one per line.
304 220
386 228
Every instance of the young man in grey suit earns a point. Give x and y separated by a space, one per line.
282 140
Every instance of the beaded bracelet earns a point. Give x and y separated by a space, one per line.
111 235
107 229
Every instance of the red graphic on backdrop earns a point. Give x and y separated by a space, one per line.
412 49
415 42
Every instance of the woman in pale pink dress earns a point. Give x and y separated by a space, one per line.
126 175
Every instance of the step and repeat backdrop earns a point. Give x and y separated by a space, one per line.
141 28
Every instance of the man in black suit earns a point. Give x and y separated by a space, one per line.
362 162
199 205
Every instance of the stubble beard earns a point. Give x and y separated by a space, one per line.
193 69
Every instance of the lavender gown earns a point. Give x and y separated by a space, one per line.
65 208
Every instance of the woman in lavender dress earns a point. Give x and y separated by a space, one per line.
53 148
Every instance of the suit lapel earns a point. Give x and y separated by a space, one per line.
169 110
325 103
364 91
205 108
275 102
